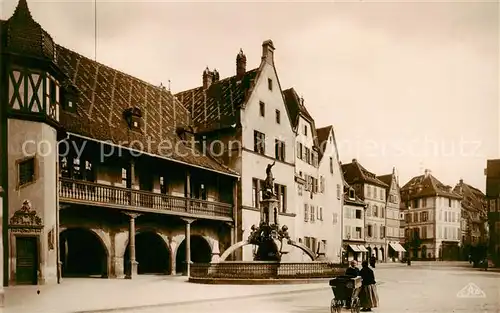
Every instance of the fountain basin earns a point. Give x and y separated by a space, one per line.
263 272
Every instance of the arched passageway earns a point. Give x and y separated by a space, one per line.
201 252
82 254
151 254
382 254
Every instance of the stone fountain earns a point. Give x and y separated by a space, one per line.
269 239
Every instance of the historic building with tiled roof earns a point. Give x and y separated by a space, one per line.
393 233
353 222
373 192
432 217
492 172
318 181
250 109
473 219
99 174
245 119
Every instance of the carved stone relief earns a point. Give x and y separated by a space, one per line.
25 219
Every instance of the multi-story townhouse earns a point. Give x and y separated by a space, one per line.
473 220
331 197
372 191
353 226
433 218
392 216
492 172
98 176
403 226
243 119
306 174
317 177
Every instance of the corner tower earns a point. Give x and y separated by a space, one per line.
29 105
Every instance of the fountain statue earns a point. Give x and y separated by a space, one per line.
268 239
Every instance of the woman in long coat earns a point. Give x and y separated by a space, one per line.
368 295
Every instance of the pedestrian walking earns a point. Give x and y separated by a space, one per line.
352 271
368 295
373 260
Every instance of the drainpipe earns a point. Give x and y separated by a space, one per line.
56 235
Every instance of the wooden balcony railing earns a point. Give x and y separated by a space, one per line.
78 191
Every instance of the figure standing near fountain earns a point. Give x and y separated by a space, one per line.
269 183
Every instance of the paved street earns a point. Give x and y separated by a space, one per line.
401 289
423 287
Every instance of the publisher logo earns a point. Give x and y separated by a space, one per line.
471 291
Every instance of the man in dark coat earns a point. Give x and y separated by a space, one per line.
373 260
352 271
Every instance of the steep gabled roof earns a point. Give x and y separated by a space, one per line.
427 186
104 95
296 106
215 107
322 135
386 179
474 200
355 173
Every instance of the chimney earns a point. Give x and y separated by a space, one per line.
208 78
427 172
354 161
241 64
268 51
216 75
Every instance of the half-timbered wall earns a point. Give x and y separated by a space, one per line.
33 91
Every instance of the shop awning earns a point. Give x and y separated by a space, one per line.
362 248
354 248
397 247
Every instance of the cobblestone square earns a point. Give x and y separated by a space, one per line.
423 287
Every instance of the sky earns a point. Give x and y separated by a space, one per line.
411 85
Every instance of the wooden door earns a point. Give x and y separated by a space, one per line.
26 261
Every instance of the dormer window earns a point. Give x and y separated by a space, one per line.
351 194
133 116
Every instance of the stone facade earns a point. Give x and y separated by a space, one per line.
83 195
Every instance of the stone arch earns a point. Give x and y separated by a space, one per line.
85 252
304 248
232 248
152 253
201 252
